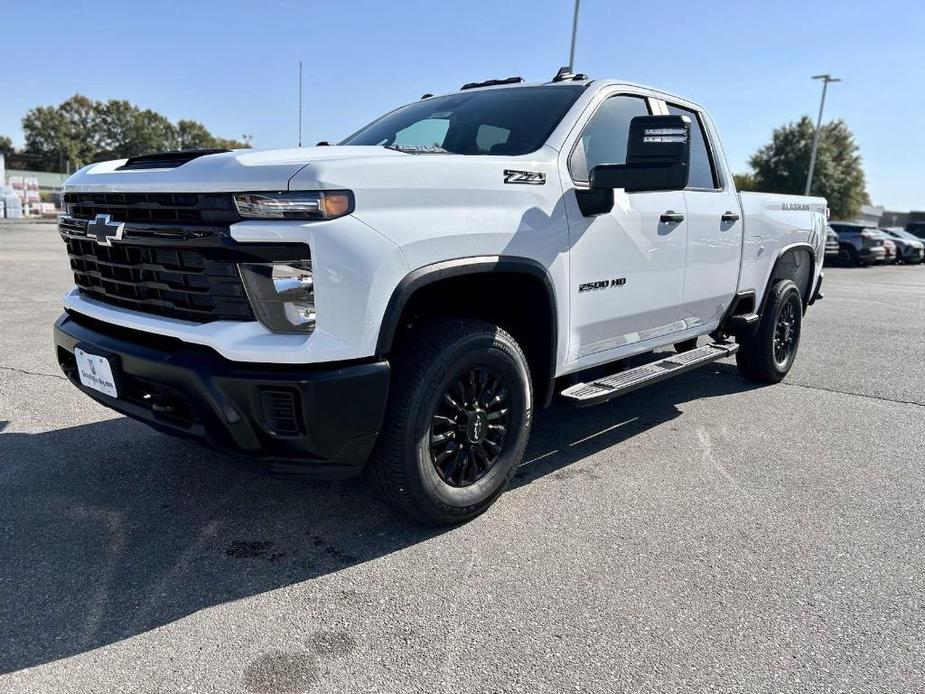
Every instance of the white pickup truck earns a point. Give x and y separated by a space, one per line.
402 302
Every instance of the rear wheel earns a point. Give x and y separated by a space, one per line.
767 355
847 256
457 422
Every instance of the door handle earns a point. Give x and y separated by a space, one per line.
730 217
671 217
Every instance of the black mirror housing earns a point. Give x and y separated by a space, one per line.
658 156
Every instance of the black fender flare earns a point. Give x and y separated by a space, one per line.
429 274
799 245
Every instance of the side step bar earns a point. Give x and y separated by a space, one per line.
744 320
602 390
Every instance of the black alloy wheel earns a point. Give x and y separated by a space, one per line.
786 333
467 430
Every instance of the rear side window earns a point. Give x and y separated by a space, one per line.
702 172
605 136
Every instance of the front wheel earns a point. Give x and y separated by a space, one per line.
457 422
767 355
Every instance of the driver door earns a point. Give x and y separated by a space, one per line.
626 266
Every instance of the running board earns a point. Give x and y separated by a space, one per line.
602 390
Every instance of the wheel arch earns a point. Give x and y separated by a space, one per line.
796 262
516 277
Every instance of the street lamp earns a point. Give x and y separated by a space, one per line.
812 156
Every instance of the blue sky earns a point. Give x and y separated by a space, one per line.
233 64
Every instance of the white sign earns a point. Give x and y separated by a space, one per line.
96 373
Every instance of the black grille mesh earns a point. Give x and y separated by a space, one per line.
153 207
167 271
173 282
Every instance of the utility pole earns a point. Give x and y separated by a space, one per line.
300 103
812 156
571 54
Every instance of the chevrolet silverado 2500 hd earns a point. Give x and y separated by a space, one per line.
402 302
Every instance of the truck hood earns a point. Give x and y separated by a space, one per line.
239 170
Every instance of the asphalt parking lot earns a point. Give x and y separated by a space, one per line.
702 535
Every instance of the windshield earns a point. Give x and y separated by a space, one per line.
493 121
902 234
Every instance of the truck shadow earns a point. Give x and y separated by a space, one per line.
108 530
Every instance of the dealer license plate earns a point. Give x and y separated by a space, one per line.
95 372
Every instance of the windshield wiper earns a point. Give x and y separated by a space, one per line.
418 149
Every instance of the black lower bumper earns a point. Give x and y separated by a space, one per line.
299 419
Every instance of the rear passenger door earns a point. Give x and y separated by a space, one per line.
714 227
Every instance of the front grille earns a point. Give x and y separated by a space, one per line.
175 258
173 282
162 265
188 208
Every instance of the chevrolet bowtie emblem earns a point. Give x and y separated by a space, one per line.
104 230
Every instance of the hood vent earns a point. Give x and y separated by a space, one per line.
166 160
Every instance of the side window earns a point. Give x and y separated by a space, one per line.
702 173
604 138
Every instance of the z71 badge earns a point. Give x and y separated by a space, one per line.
531 178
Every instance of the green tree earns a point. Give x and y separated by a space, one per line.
194 135
6 146
781 166
81 131
744 181
58 134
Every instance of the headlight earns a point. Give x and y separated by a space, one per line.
318 204
281 294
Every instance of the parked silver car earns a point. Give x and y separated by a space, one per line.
909 248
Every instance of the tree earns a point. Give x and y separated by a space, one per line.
744 181
81 131
6 146
781 166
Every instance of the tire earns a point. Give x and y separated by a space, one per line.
685 345
472 461
847 256
767 355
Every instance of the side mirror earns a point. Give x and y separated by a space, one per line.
658 154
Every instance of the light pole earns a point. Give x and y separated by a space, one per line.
300 103
812 156
571 53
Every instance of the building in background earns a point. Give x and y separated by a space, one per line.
894 219
870 214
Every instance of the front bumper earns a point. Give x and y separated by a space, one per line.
316 421
875 254
914 255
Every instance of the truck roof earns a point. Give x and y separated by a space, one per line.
600 83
